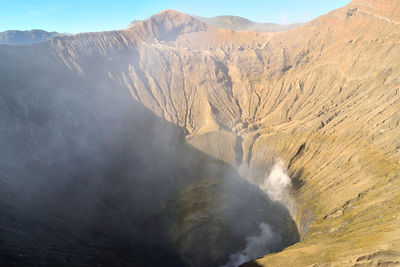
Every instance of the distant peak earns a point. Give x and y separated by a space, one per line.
237 23
169 24
171 14
167 14
234 18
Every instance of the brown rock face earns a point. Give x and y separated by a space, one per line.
325 98
386 9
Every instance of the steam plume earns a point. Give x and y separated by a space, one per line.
277 183
256 246
275 186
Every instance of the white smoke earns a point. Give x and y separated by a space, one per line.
256 246
275 186
277 183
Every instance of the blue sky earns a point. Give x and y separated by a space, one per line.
74 16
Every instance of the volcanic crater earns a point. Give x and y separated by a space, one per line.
154 145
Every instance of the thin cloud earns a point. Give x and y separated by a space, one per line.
284 19
23 6
35 13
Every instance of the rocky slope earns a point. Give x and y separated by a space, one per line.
324 98
25 37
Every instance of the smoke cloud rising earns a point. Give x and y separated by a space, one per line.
256 246
275 186
277 183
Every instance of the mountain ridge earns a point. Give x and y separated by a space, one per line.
236 23
16 37
242 24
